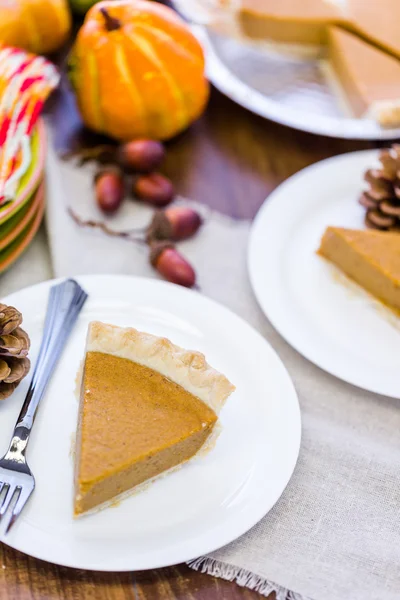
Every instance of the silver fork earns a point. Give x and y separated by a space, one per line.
16 480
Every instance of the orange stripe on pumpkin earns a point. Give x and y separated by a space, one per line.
123 112
162 108
122 66
95 90
163 68
184 50
187 74
163 19
89 102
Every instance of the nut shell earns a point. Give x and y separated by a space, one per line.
160 228
141 156
154 189
184 222
156 250
110 188
172 265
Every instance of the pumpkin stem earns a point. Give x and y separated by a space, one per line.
111 22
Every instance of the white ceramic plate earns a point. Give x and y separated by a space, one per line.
294 91
203 506
324 316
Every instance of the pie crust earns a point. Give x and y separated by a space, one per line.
387 113
187 368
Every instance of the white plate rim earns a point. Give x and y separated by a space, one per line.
258 235
252 519
235 89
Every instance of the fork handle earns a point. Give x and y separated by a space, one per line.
65 303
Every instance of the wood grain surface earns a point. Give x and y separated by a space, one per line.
231 160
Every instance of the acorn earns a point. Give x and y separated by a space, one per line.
141 156
175 223
154 189
170 263
109 186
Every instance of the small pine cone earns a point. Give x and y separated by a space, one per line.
14 348
381 199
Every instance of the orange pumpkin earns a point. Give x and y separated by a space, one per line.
137 71
40 26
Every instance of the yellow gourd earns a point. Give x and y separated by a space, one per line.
40 26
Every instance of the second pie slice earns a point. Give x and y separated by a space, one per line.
370 258
370 77
146 407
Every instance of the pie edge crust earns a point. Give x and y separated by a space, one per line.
386 112
187 368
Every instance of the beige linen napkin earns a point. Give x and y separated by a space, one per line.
335 532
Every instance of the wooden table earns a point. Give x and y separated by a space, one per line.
230 160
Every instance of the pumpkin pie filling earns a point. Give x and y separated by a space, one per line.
370 258
369 77
362 36
288 21
135 422
307 22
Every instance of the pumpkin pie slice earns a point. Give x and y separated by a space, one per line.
370 258
146 407
288 21
370 78
306 21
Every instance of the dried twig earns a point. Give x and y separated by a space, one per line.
127 235
104 153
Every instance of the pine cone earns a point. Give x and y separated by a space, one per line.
382 197
14 347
